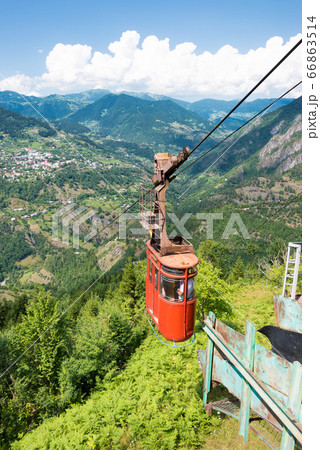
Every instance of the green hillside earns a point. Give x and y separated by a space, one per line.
214 109
133 119
52 107
254 137
42 170
15 124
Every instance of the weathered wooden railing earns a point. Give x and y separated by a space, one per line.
263 382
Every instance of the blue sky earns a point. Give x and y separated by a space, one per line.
31 29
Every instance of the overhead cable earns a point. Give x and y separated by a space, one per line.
235 131
217 145
249 93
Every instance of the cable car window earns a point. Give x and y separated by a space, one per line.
191 292
156 278
192 270
150 271
173 271
172 289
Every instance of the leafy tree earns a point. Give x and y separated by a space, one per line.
132 289
251 250
216 253
212 292
277 251
237 271
251 274
41 339
102 341
37 346
128 282
11 312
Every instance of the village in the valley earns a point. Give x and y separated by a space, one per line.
30 163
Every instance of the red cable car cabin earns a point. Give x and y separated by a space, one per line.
172 265
170 293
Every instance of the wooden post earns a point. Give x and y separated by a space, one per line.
246 389
294 404
209 358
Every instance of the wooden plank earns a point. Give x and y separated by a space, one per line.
209 359
246 388
288 313
272 369
227 374
282 414
230 377
235 339
294 403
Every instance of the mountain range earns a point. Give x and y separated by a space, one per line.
264 145
60 106
259 168
152 122
162 122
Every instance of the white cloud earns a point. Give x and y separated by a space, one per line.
154 67
19 83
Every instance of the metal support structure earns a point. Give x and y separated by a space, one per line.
153 210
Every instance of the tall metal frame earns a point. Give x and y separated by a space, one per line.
153 209
292 269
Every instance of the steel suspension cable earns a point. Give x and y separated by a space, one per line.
204 154
249 93
235 131
209 134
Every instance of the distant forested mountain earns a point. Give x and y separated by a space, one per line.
271 144
216 109
51 107
133 119
89 96
15 124
56 107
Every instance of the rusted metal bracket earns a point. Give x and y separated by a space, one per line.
165 165
153 210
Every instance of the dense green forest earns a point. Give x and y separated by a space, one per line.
59 352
